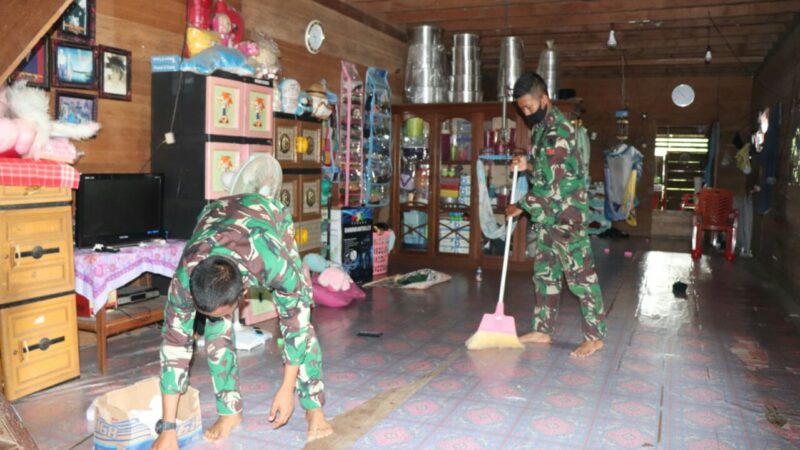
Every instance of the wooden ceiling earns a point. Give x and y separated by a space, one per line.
654 36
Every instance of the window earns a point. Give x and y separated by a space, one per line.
680 157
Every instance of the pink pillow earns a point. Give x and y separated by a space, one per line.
333 299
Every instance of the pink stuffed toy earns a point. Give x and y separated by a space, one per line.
335 288
228 23
26 129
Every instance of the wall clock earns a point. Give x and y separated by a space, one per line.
683 95
315 36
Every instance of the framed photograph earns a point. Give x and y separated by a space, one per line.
74 65
78 21
74 107
36 67
115 73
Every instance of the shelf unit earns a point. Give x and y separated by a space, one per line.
434 207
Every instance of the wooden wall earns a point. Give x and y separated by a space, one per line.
718 98
346 39
776 235
146 28
155 27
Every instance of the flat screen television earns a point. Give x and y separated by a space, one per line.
119 208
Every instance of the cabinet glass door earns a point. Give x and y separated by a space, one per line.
495 185
414 193
455 186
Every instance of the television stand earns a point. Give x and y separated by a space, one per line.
110 322
99 275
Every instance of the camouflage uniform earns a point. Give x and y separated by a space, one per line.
257 234
557 203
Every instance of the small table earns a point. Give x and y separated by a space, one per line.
98 275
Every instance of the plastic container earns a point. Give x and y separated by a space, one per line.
380 252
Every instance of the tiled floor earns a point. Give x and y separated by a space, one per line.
675 374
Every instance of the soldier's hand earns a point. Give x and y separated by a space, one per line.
167 440
282 407
520 161
513 211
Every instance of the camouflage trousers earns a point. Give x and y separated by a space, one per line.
566 254
223 367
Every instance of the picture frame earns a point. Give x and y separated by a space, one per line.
78 22
74 65
221 158
115 73
75 107
35 68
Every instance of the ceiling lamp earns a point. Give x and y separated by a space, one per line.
707 58
612 39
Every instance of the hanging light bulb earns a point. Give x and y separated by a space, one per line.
707 58
612 39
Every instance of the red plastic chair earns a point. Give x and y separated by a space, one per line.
714 212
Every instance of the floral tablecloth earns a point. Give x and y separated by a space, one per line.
97 274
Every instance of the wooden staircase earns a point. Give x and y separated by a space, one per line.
24 23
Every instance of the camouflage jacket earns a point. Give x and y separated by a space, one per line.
557 194
258 234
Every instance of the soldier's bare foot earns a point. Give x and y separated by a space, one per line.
318 427
588 348
222 427
535 338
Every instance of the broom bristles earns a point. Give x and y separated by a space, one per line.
488 339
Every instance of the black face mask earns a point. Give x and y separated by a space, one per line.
536 118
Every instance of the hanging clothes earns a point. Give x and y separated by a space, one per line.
713 143
585 150
596 219
489 226
621 163
769 161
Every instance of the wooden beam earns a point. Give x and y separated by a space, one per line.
633 35
489 51
384 7
366 19
533 19
38 16
717 8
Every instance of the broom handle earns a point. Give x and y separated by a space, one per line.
508 240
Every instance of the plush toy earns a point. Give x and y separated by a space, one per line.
198 40
320 108
334 288
228 23
26 129
263 54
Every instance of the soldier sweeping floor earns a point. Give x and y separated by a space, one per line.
240 241
558 206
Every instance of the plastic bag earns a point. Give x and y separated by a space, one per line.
198 40
218 58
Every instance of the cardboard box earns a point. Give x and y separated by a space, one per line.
351 241
125 418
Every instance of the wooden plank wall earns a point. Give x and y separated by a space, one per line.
153 27
718 98
346 39
776 235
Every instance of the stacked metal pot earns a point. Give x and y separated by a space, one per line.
425 76
465 81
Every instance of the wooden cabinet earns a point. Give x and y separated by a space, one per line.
298 147
435 191
217 121
39 343
38 330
